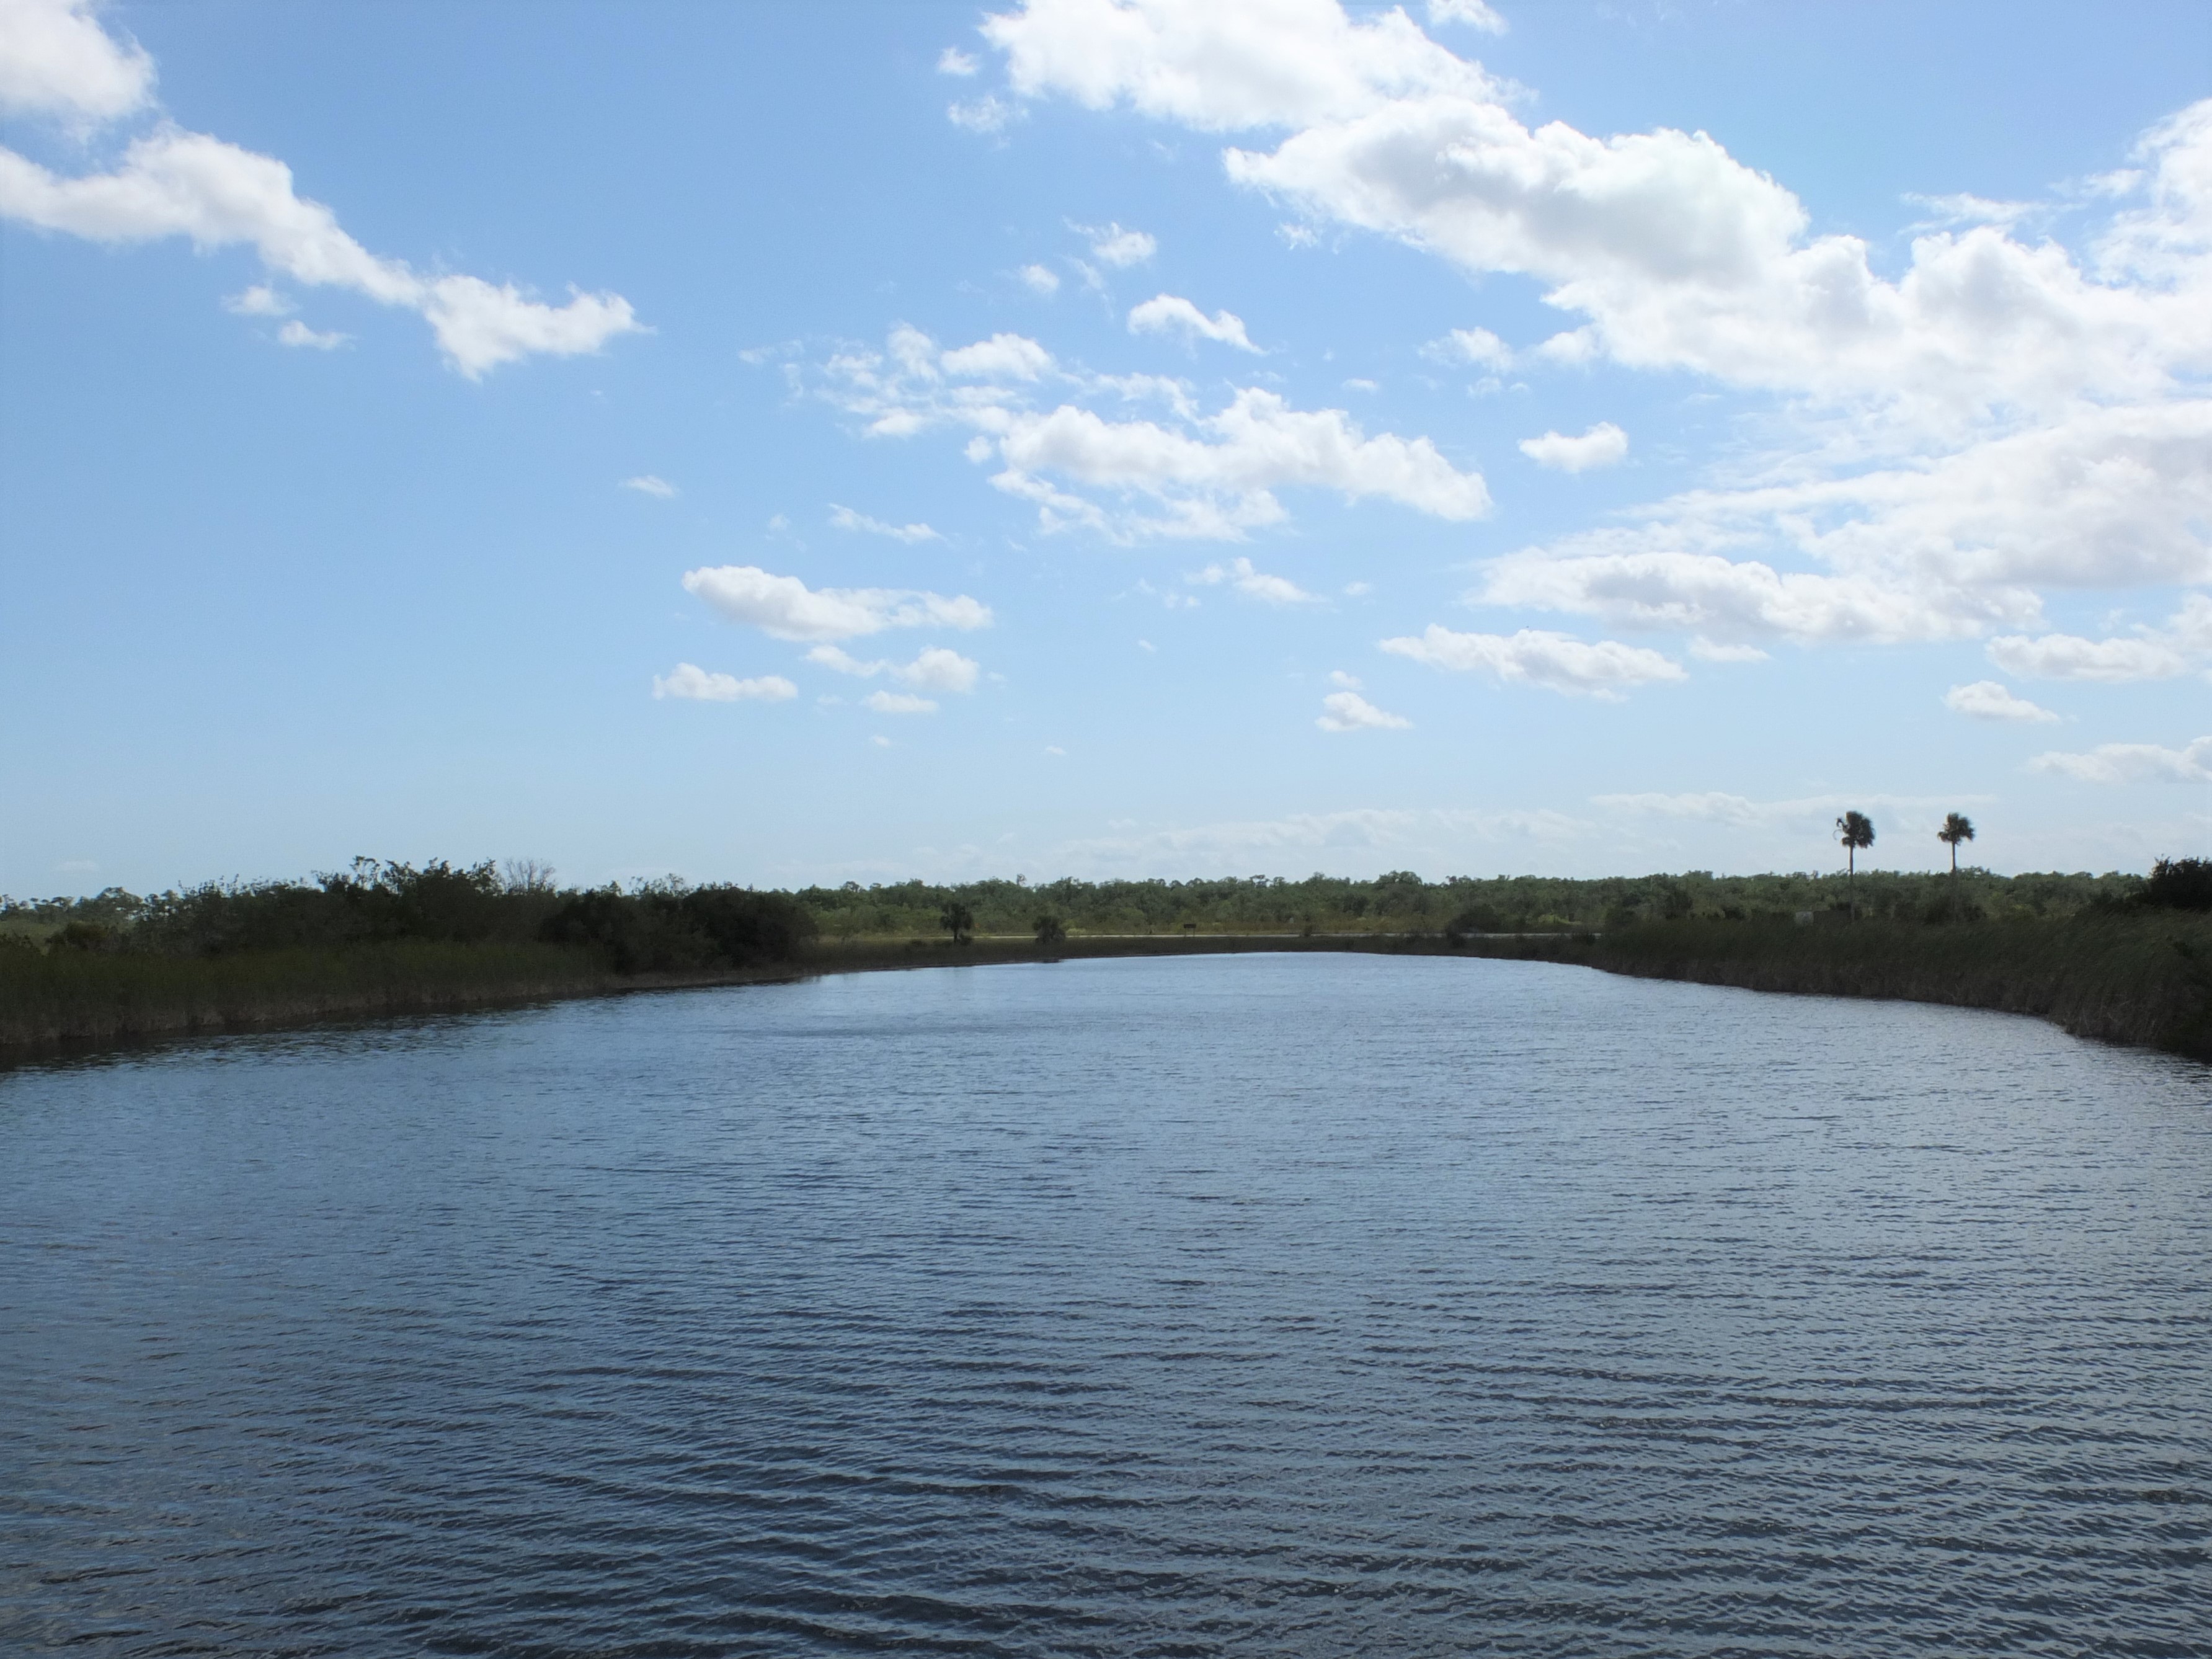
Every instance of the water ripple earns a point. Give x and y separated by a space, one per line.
1228 1306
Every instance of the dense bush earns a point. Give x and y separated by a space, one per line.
653 926
664 927
2179 884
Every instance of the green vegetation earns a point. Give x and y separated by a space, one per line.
72 995
2134 973
1402 902
375 939
2116 956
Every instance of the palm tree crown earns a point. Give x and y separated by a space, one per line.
1957 827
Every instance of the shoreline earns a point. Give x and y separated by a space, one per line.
2114 982
242 995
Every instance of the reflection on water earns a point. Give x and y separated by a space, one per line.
1243 1304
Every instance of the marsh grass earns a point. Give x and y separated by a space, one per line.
2142 977
67 997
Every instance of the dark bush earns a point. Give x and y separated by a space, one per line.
2179 884
667 929
747 928
83 936
1475 919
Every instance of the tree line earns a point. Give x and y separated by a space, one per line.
669 925
666 925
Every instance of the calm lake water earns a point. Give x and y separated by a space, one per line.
1267 1305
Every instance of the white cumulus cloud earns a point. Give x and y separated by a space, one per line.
1473 13
1040 279
1187 474
787 608
1603 445
174 183
1169 314
1987 700
56 60
646 483
1532 657
953 61
2069 657
694 683
1222 65
2001 414
1347 711
1001 357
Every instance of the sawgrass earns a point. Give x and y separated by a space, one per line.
73 997
2138 976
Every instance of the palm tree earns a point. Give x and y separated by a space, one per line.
957 920
1854 830
1957 827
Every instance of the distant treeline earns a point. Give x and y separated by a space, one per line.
665 926
669 926
2112 956
1401 902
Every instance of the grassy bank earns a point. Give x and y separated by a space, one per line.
69 1000
78 998
2138 977
2141 977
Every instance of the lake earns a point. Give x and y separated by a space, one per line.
1254 1305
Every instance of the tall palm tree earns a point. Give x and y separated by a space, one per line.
1854 830
1957 827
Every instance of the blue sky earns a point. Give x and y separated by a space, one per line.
1101 437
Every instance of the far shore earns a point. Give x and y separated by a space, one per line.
2140 981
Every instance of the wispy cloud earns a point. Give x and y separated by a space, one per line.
787 608
1557 662
1243 577
2132 762
1347 711
693 684
1986 699
935 670
1603 445
844 518
898 702
1170 314
1111 245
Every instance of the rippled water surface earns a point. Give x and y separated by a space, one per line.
1252 1305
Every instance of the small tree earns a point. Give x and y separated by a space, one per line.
1957 827
1854 830
957 920
1050 930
